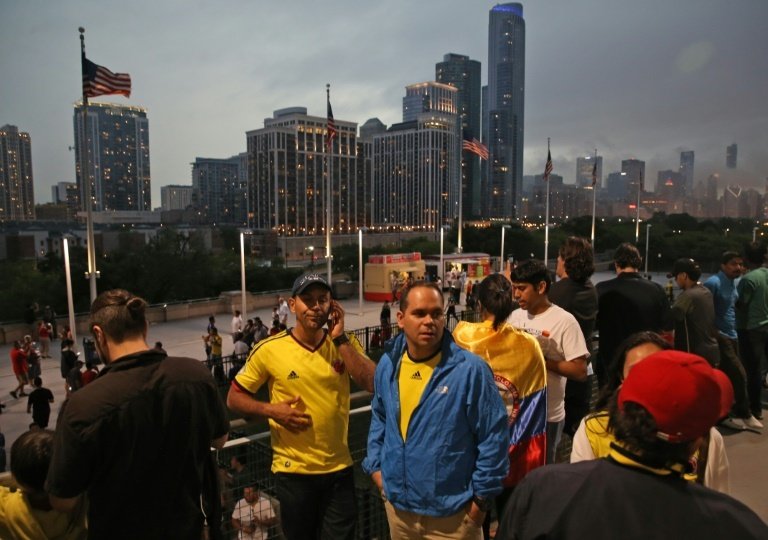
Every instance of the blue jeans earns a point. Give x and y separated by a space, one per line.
317 505
554 432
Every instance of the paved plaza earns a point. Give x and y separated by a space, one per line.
747 451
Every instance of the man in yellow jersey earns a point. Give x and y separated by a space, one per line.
307 369
437 447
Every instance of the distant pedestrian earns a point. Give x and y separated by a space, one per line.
159 347
90 373
39 403
44 332
20 369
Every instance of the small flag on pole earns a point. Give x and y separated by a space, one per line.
99 81
476 147
548 166
331 129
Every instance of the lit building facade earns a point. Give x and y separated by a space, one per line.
504 124
464 74
416 164
218 193
17 194
288 166
114 141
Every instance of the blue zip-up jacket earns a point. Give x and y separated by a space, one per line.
456 444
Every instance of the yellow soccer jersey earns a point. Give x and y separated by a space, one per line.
412 381
320 378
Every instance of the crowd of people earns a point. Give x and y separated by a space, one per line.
464 424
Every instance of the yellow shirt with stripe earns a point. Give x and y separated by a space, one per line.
320 377
412 381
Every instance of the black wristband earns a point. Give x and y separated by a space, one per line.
341 340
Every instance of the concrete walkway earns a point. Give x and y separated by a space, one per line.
746 450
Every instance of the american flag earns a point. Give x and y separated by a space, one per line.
476 147
99 81
331 129
548 166
594 173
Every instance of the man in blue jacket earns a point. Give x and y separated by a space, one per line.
436 449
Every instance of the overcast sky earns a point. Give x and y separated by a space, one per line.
643 79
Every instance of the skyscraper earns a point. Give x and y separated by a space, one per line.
217 190
17 195
174 197
116 139
686 169
416 164
584 168
505 122
635 170
464 74
731 153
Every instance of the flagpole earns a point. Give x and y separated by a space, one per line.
594 198
85 174
637 219
546 214
328 213
460 144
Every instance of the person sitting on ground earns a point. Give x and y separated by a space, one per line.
593 438
39 403
27 513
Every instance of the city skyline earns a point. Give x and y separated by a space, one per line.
633 80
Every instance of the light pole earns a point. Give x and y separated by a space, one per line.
754 233
441 271
501 256
70 301
242 275
360 268
647 235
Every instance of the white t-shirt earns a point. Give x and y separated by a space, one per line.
560 337
283 312
244 512
237 324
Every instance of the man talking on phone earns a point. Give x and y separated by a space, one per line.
307 368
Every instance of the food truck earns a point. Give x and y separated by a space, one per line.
476 265
386 275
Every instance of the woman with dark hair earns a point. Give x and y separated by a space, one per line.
594 436
575 293
518 367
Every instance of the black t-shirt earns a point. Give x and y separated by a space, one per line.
40 401
580 300
601 499
138 440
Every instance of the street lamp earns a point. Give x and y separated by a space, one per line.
441 272
360 268
242 275
754 233
647 235
501 256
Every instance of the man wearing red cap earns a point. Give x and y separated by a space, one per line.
666 405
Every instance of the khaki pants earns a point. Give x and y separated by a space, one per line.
409 526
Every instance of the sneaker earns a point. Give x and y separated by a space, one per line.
753 423
734 423
13 393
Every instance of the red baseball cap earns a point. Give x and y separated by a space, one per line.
683 393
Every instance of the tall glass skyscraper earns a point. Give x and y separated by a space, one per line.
502 193
116 140
459 71
17 195
686 169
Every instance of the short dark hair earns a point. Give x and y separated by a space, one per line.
416 285
627 256
495 296
754 253
532 271
30 456
37 381
120 314
578 258
637 431
728 256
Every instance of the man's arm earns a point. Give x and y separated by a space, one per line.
284 413
64 504
372 462
360 367
575 369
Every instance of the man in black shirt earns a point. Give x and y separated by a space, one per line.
627 304
137 439
39 403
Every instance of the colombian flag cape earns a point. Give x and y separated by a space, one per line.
521 377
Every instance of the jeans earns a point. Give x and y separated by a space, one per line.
731 365
317 505
752 347
554 432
